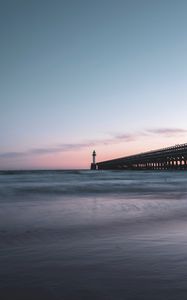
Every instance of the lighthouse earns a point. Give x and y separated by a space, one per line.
93 164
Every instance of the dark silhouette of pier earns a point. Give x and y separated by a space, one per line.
174 157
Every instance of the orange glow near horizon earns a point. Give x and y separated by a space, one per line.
81 158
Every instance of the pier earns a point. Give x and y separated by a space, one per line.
174 157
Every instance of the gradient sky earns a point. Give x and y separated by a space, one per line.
78 75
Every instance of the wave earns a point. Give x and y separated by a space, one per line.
96 190
83 183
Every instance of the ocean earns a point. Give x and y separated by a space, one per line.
105 235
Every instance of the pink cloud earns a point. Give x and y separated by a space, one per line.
72 155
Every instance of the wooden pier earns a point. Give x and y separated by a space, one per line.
174 157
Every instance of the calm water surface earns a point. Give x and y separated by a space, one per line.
93 235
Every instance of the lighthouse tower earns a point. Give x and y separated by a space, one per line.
93 164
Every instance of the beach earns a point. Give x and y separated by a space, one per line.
93 235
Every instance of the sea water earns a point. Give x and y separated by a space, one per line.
93 235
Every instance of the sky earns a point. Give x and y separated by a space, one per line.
79 75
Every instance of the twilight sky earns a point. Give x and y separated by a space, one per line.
78 75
